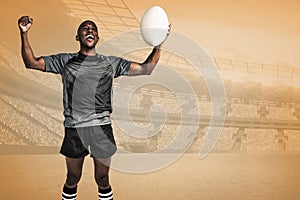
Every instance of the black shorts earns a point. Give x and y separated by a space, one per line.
95 140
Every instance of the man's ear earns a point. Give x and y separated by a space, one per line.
76 38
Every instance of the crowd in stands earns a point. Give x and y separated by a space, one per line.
222 139
49 121
260 140
15 63
281 113
6 137
239 110
25 123
236 109
24 126
292 140
54 113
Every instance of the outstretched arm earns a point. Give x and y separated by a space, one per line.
149 64
29 59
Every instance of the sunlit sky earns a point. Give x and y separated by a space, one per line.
261 31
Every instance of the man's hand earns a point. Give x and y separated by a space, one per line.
25 23
29 59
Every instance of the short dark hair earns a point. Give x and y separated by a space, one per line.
85 22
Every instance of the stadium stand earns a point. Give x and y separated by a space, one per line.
259 117
260 140
25 126
292 140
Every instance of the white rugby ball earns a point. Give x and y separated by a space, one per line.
154 25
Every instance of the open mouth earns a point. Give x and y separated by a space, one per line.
90 37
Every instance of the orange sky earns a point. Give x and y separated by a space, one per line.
250 30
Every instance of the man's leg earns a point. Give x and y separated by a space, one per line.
102 178
74 171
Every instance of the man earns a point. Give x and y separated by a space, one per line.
87 88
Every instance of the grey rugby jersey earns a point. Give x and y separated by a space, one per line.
87 85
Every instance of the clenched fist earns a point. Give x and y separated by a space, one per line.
25 23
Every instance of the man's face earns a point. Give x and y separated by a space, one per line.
88 35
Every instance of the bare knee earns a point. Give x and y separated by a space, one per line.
102 180
73 179
101 172
74 170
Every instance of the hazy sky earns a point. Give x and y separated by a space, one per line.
266 31
261 31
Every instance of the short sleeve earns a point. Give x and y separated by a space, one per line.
120 66
56 63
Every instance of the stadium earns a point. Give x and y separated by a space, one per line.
256 155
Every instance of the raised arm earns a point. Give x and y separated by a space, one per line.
149 64
29 59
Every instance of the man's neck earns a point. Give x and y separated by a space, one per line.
88 52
